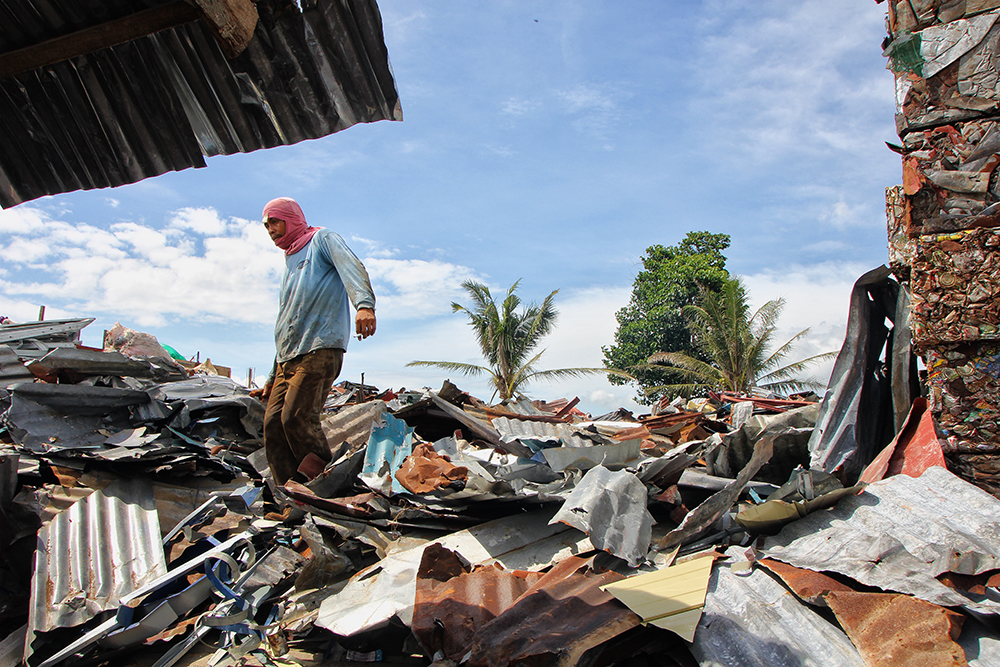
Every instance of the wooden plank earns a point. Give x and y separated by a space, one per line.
232 22
97 37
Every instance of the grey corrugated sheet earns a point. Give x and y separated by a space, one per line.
94 553
753 620
610 507
163 102
352 425
901 533
519 429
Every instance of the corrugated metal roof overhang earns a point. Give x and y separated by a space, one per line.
162 102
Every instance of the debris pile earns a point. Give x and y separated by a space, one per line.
141 526
944 221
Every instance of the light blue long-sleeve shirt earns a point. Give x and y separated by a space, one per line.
313 310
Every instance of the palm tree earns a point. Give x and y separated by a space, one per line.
736 344
507 337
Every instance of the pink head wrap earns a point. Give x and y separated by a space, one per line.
297 232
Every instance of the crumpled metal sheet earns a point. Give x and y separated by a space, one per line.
12 371
901 533
203 392
546 432
349 428
753 620
45 330
453 601
389 444
610 507
84 362
701 518
94 553
666 470
163 102
49 417
563 615
856 420
941 45
792 430
388 588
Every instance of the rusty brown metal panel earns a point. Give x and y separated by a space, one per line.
555 622
890 629
808 585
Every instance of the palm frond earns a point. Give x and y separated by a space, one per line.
471 370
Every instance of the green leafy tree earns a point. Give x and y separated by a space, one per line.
508 335
736 345
653 321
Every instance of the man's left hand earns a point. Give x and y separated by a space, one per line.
365 321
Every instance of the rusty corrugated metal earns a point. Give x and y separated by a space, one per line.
165 101
453 600
94 553
890 629
556 621
811 586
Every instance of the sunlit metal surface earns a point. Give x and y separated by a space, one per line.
93 554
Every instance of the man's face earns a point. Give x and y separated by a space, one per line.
275 228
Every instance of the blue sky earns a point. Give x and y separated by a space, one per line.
545 141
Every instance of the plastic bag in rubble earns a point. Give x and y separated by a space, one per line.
133 343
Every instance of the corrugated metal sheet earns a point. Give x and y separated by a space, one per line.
891 629
517 429
561 617
753 620
611 508
163 102
349 427
93 554
901 533
388 588
453 602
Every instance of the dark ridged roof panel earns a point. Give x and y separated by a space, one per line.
162 102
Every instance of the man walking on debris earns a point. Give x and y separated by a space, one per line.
310 335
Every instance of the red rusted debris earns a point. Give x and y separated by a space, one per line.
425 470
891 629
914 449
810 586
558 619
772 404
454 600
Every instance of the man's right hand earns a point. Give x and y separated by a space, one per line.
263 393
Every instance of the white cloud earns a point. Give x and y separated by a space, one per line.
595 111
21 220
142 274
501 150
205 221
415 288
842 215
824 247
374 248
780 80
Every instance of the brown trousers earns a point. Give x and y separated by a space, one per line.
291 421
